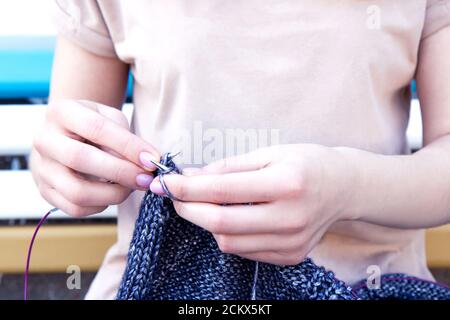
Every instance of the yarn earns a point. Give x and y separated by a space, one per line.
171 258
30 249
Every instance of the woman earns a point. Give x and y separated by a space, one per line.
327 81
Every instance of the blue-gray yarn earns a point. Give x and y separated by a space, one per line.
171 258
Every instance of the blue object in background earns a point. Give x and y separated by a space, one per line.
25 67
26 63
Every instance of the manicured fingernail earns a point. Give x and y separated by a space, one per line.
191 171
157 188
146 160
144 180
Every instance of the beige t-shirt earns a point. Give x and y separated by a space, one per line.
215 78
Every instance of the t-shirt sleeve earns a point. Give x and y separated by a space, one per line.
437 16
82 22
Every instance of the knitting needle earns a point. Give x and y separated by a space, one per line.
163 167
173 155
160 165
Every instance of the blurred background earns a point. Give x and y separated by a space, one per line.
27 40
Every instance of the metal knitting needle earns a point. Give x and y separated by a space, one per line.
173 155
160 166
165 170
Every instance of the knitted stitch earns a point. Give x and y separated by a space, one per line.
171 258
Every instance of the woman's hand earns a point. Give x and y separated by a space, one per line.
85 158
296 191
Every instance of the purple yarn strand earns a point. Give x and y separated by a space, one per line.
30 248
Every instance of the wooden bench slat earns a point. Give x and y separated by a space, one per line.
59 246
56 247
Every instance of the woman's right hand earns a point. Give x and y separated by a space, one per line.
85 158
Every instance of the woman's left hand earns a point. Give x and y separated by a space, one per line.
296 192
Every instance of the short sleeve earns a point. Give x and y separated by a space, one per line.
82 22
437 16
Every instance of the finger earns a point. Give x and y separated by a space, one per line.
241 187
90 160
255 160
251 161
287 259
80 191
252 243
287 256
79 118
234 219
112 114
56 199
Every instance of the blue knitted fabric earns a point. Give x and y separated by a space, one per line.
171 258
398 286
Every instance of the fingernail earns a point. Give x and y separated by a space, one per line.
157 188
191 171
144 180
146 160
